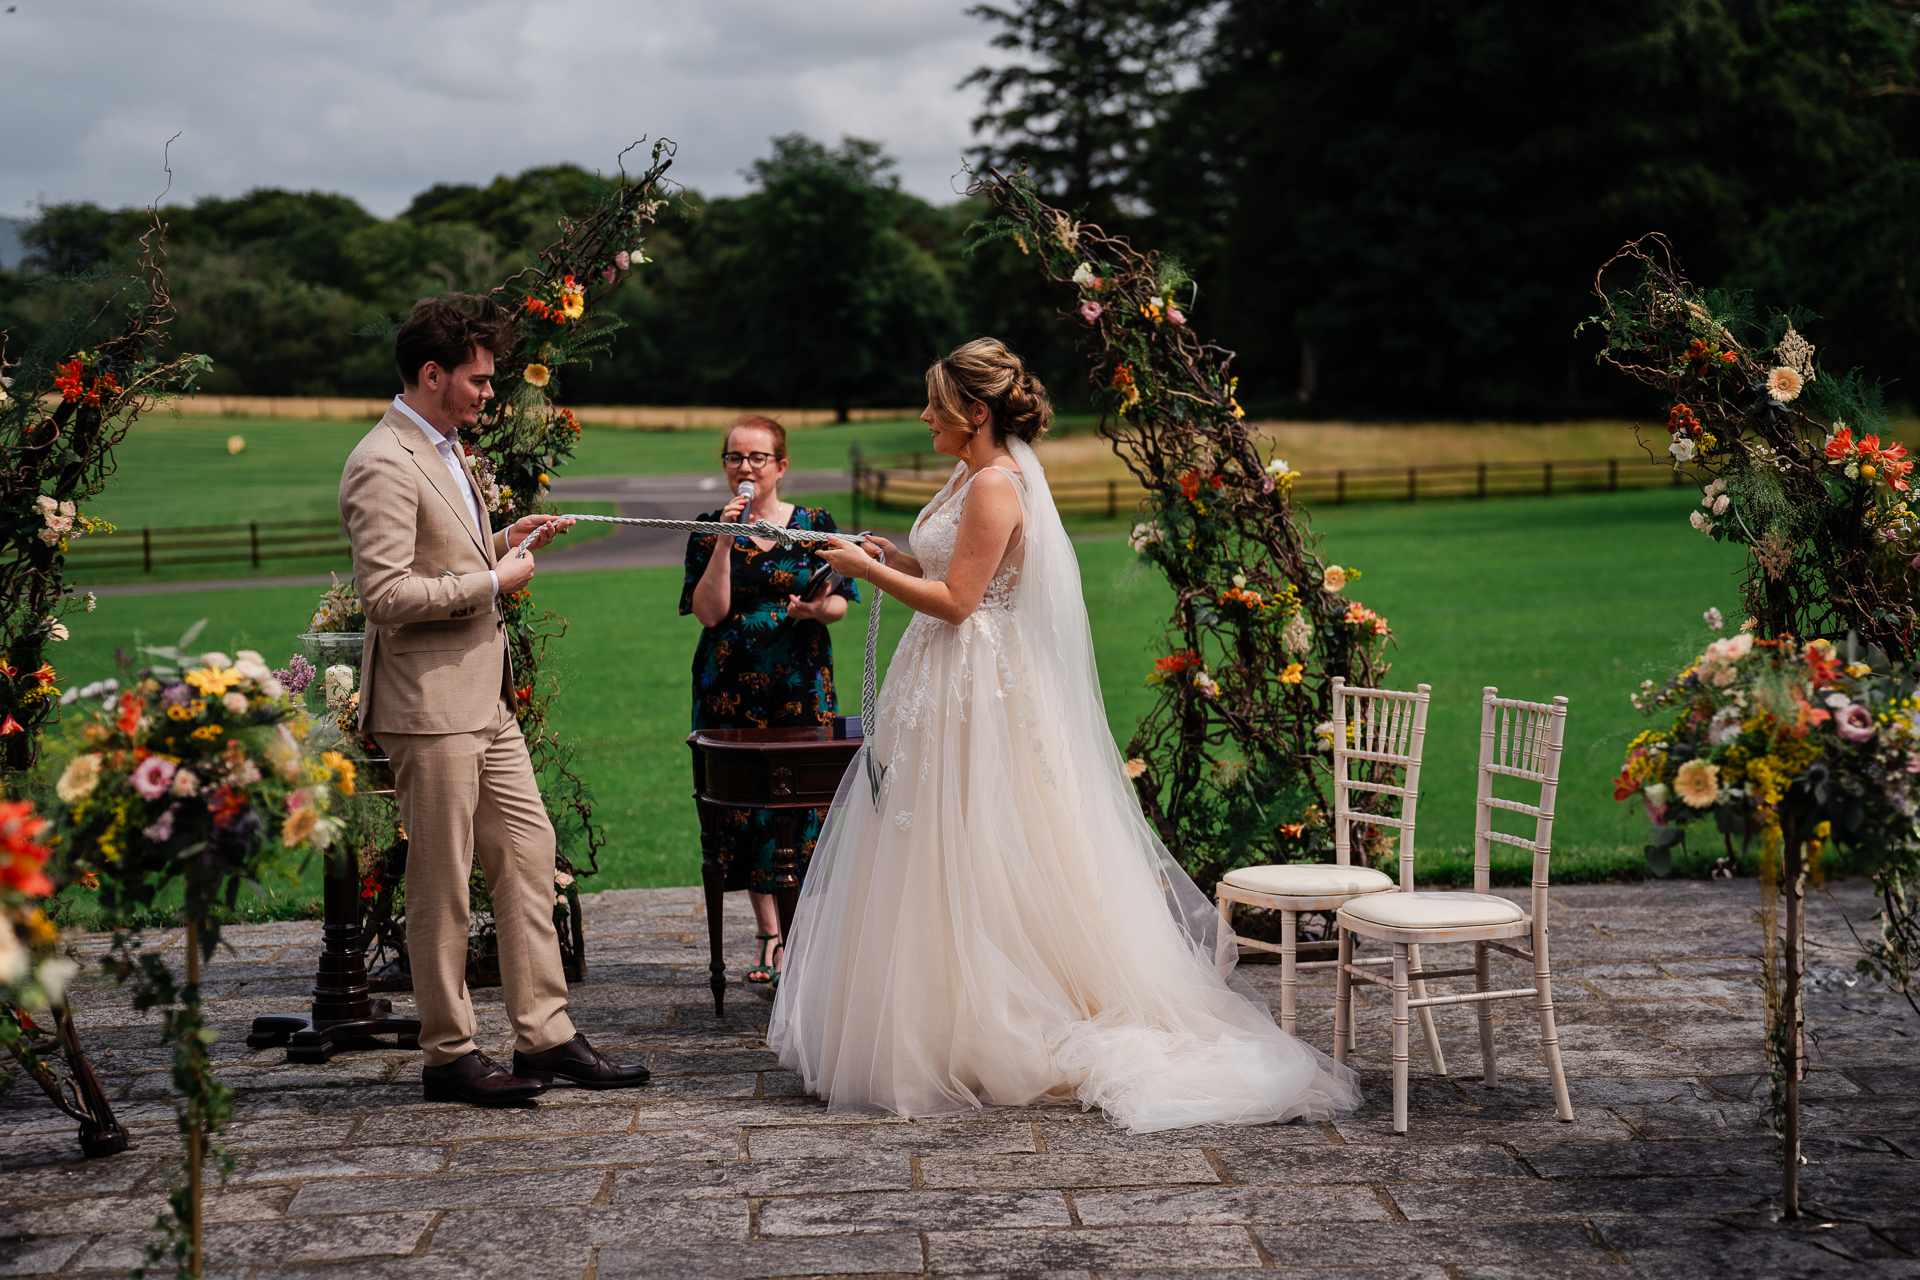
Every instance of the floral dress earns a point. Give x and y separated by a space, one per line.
761 669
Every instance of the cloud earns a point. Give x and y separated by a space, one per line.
381 99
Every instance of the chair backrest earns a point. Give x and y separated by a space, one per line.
1520 740
1389 728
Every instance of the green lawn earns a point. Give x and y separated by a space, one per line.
1581 596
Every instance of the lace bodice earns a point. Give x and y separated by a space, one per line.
937 530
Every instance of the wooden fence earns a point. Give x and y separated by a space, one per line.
907 482
256 543
632 417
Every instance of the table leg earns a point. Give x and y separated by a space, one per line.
343 1013
786 866
713 877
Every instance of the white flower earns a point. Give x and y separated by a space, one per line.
1278 467
93 602
185 783
1699 521
1240 581
1724 727
1720 504
1682 450
271 687
252 666
235 703
1714 620
1656 793
1714 490
1297 636
217 660
68 510
562 879
1145 535
56 628
1323 732
1083 274
13 956
53 977
339 683
49 536
45 506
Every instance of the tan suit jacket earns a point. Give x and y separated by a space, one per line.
434 661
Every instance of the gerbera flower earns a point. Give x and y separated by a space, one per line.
1698 783
537 375
1784 384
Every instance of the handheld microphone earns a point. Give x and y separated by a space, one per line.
746 491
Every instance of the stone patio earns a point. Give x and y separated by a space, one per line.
721 1169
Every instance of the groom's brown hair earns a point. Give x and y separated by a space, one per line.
448 330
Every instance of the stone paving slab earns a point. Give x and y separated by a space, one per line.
721 1170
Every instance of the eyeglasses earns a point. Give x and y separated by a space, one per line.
755 460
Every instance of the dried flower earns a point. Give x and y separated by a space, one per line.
1796 353
339 683
1297 635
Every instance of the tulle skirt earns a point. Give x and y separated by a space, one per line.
982 938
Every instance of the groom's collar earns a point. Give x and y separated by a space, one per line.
433 433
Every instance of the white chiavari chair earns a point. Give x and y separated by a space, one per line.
1521 741
1371 727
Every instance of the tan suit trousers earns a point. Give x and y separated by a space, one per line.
462 794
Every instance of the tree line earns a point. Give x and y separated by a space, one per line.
1392 210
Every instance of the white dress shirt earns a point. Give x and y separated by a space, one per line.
444 445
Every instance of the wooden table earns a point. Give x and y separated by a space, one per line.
786 771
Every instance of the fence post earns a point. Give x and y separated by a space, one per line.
916 464
1613 475
1546 478
146 550
1413 485
853 461
1339 488
1480 481
253 540
1113 498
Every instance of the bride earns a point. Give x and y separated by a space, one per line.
998 924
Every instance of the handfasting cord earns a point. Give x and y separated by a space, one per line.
787 538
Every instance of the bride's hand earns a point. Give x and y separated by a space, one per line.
849 559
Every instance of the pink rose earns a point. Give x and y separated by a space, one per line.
1855 722
622 260
1173 314
153 776
606 274
1090 311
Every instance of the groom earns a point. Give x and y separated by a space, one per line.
437 694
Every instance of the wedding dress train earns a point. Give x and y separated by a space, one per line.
1003 926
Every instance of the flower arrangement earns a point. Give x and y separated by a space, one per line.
205 770
339 609
72 397
1224 763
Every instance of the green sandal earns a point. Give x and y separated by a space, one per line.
762 971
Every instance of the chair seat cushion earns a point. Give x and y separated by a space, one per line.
1309 879
1434 910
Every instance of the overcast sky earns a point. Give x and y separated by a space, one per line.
381 98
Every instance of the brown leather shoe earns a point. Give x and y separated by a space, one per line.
476 1078
578 1063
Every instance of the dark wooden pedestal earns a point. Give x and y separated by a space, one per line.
787 771
344 1014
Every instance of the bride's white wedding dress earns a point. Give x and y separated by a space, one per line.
1004 927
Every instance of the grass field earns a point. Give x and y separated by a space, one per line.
1580 596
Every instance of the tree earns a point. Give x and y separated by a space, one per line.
831 297
1079 108
1398 206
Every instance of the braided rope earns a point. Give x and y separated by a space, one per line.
876 772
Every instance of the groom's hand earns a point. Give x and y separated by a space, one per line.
515 571
549 528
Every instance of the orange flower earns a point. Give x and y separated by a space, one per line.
131 708
1841 445
11 727
1292 830
1624 785
7 669
21 855
1682 419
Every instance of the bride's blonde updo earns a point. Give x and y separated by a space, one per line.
985 372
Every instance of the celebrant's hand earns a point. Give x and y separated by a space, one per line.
730 514
849 559
548 527
815 610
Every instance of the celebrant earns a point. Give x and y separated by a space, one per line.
764 659
437 695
